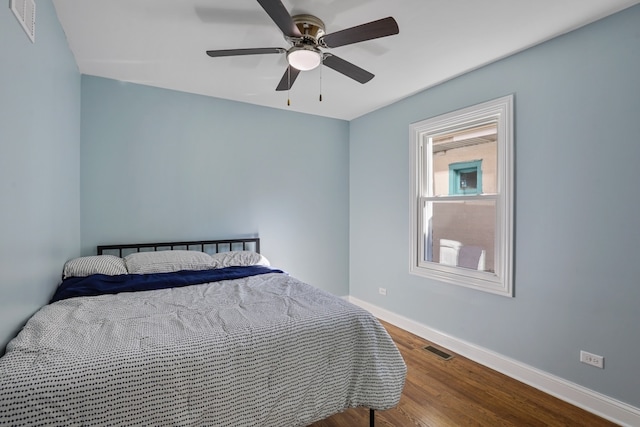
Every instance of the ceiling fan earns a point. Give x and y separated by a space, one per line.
306 34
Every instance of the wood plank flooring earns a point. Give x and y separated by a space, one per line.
460 392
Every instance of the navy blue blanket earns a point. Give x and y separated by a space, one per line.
99 284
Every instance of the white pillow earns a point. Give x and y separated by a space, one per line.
167 261
110 265
238 258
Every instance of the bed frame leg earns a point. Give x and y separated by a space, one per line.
372 417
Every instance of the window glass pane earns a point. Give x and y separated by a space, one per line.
465 162
461 233
468 180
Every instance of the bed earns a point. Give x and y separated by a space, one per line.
203 333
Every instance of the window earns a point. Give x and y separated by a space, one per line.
465 177
462 197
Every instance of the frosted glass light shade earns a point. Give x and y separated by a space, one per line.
304 58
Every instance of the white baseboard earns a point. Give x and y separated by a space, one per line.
589 400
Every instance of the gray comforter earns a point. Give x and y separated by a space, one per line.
266 350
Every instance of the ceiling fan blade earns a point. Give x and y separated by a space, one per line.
347 68
237 52
290 76
372 30
279 14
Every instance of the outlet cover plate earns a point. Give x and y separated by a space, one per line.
592 359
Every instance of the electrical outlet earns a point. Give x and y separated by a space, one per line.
382 291
592 359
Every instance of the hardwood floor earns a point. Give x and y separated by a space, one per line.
460 392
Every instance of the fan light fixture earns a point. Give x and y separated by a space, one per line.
304 58
307 39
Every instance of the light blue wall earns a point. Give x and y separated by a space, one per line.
577 279
39 164
160 165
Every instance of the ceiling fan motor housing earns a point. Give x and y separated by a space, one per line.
305 54
311 27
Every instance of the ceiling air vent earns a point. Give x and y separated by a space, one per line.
25 12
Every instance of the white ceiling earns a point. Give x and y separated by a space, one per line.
162 43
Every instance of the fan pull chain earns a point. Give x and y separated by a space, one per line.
288 85
321 63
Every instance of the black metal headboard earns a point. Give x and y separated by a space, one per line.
208 246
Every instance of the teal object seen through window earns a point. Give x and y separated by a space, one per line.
465 178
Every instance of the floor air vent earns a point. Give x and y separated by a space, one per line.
441 354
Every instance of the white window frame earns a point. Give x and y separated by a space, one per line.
500 112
